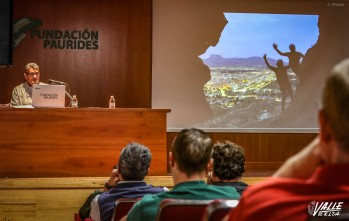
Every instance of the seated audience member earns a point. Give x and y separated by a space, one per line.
128 181
85 209
314 182
22 94
190 156
228 166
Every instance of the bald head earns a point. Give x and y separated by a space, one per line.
335 103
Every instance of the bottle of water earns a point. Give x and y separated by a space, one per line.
74 102
112 102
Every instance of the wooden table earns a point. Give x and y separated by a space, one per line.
82 142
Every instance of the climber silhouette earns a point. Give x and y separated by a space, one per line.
282 79
294 59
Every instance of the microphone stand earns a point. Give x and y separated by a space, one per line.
70 97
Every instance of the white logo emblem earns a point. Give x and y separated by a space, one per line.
324 208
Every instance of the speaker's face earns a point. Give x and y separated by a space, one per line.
32 76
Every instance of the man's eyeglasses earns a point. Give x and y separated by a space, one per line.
33 73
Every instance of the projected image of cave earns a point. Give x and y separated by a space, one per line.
249 88
246 65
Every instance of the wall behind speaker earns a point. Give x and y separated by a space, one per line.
6 25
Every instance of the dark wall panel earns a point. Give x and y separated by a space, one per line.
6 32
120 66
265 152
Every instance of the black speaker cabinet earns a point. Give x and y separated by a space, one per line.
6 32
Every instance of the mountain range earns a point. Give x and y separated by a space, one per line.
219 61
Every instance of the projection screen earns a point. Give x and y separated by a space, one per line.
209 66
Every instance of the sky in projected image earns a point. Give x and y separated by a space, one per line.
243 92
248 35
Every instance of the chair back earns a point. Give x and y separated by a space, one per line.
122 206
218 209
77 218
180 210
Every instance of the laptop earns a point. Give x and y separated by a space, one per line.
46 95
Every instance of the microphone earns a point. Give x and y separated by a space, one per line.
50 81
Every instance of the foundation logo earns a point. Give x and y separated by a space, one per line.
49 96
53 38
324 208
23 25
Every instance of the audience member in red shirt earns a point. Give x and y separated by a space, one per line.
313 183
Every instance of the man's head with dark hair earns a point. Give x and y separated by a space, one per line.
228 160
191 150
134 161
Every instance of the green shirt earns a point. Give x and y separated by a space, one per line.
21 95
147 208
